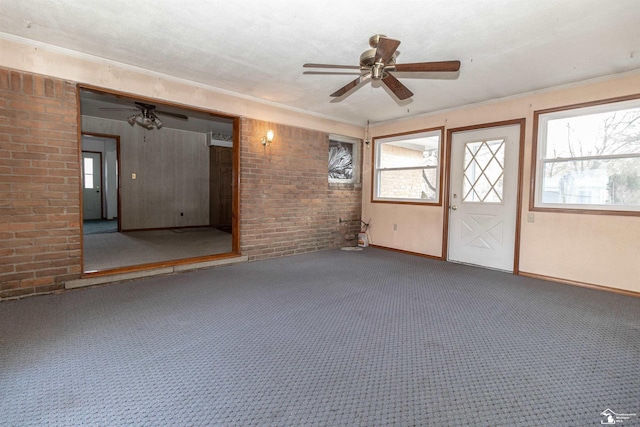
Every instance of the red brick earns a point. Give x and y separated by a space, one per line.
38 85
4 79
42 281
16 81
13 227
16 293
49 89
52 272
17 276
5 286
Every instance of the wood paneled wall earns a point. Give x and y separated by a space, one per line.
171 188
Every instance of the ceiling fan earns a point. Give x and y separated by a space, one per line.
378 63
147 116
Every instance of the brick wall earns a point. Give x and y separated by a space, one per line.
287 204
40 241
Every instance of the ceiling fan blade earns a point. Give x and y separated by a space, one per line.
385 49
396 87
350 67
349 86
175 115
350 73
428 66
144 106
118 109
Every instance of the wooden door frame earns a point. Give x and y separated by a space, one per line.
117 139
237 128
445 204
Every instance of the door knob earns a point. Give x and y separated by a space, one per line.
454 207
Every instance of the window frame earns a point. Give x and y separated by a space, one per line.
539 146
375 170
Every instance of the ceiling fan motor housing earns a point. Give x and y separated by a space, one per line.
373 40
367 61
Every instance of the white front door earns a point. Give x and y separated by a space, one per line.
483 196
91 189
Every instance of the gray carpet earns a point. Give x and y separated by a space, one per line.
99 226
333 338
106 251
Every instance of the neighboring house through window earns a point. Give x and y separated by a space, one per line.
407 167
588 157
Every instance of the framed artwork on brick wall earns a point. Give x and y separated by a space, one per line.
344 160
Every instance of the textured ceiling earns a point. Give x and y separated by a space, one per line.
256 48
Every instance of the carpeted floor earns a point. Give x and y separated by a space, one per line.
99 226
334 338
105 251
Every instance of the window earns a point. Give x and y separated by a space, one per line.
88 172
483 171
407 167
588 157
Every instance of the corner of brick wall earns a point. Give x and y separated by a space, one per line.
40 241
287 206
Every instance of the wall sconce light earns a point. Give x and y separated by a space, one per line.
268 138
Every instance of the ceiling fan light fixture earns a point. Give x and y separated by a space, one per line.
147 117
145 122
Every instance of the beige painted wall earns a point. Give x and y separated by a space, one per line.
593 249
22 55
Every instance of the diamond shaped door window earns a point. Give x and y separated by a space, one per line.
483 171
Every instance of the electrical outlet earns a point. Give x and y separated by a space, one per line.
134 176
395 227
181 213
530 217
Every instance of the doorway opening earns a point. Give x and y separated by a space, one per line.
158 183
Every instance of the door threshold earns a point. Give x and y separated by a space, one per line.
136 272
481 266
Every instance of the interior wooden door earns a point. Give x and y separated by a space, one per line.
221 187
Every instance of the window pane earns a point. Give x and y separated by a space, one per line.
415 152
589 157
418 184
88 165
88 172
414 160
483 171
604 182
609 133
